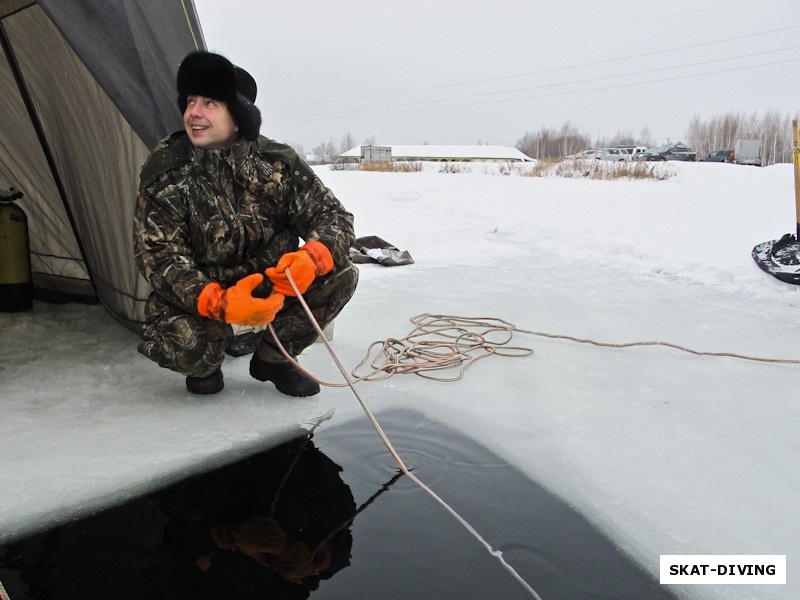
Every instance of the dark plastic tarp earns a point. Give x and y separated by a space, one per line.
88 87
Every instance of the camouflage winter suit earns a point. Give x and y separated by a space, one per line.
219 215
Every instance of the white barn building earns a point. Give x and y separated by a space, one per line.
426 152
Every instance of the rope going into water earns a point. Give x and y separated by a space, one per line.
447 342
351 384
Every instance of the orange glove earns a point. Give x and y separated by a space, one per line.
311 260
257 538
237 305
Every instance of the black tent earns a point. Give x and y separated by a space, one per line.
88 87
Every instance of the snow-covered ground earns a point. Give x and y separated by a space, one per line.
667 452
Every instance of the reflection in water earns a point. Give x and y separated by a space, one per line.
272 526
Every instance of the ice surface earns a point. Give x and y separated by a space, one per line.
666 451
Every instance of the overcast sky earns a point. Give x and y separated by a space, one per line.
412 71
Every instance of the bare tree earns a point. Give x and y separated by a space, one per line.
704 135
348 143
646 137
551 143
330 153
722 131
570 139
325 152
623 138
776 138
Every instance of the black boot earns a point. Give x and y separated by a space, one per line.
284 375
205 385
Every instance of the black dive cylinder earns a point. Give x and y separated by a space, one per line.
16 282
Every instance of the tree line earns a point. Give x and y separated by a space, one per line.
329 152
718 133
703 135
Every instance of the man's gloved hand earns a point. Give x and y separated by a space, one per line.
258 538
237 305
263 539
311 260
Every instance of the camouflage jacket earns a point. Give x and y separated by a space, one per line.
219 215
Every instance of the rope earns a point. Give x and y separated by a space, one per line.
786 361
442 343
447 342
351 384
438 343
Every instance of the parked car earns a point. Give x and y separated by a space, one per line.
725 156
616 154
585 154
635 151
670 152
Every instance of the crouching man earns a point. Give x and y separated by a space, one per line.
220 216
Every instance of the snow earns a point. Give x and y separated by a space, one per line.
666 451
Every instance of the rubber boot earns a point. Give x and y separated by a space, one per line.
206 385
285 376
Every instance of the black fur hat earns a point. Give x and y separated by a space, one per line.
213 76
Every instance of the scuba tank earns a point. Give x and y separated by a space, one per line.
16 281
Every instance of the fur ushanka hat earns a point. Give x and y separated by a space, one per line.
213 76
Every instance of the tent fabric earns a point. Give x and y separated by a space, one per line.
133 49
87 89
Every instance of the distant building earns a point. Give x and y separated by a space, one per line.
425 152
374 153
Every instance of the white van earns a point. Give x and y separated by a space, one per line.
617 154
634 151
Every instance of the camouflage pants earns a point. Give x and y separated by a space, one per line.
193 345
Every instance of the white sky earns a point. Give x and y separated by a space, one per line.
461 73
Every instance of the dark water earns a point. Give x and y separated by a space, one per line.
332 517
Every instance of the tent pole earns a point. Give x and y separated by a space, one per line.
37 126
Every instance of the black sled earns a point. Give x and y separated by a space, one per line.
781 258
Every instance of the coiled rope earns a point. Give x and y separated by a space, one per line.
439 344
351 384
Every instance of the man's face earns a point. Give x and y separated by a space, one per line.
209 123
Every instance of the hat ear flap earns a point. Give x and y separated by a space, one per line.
245 84
247 117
